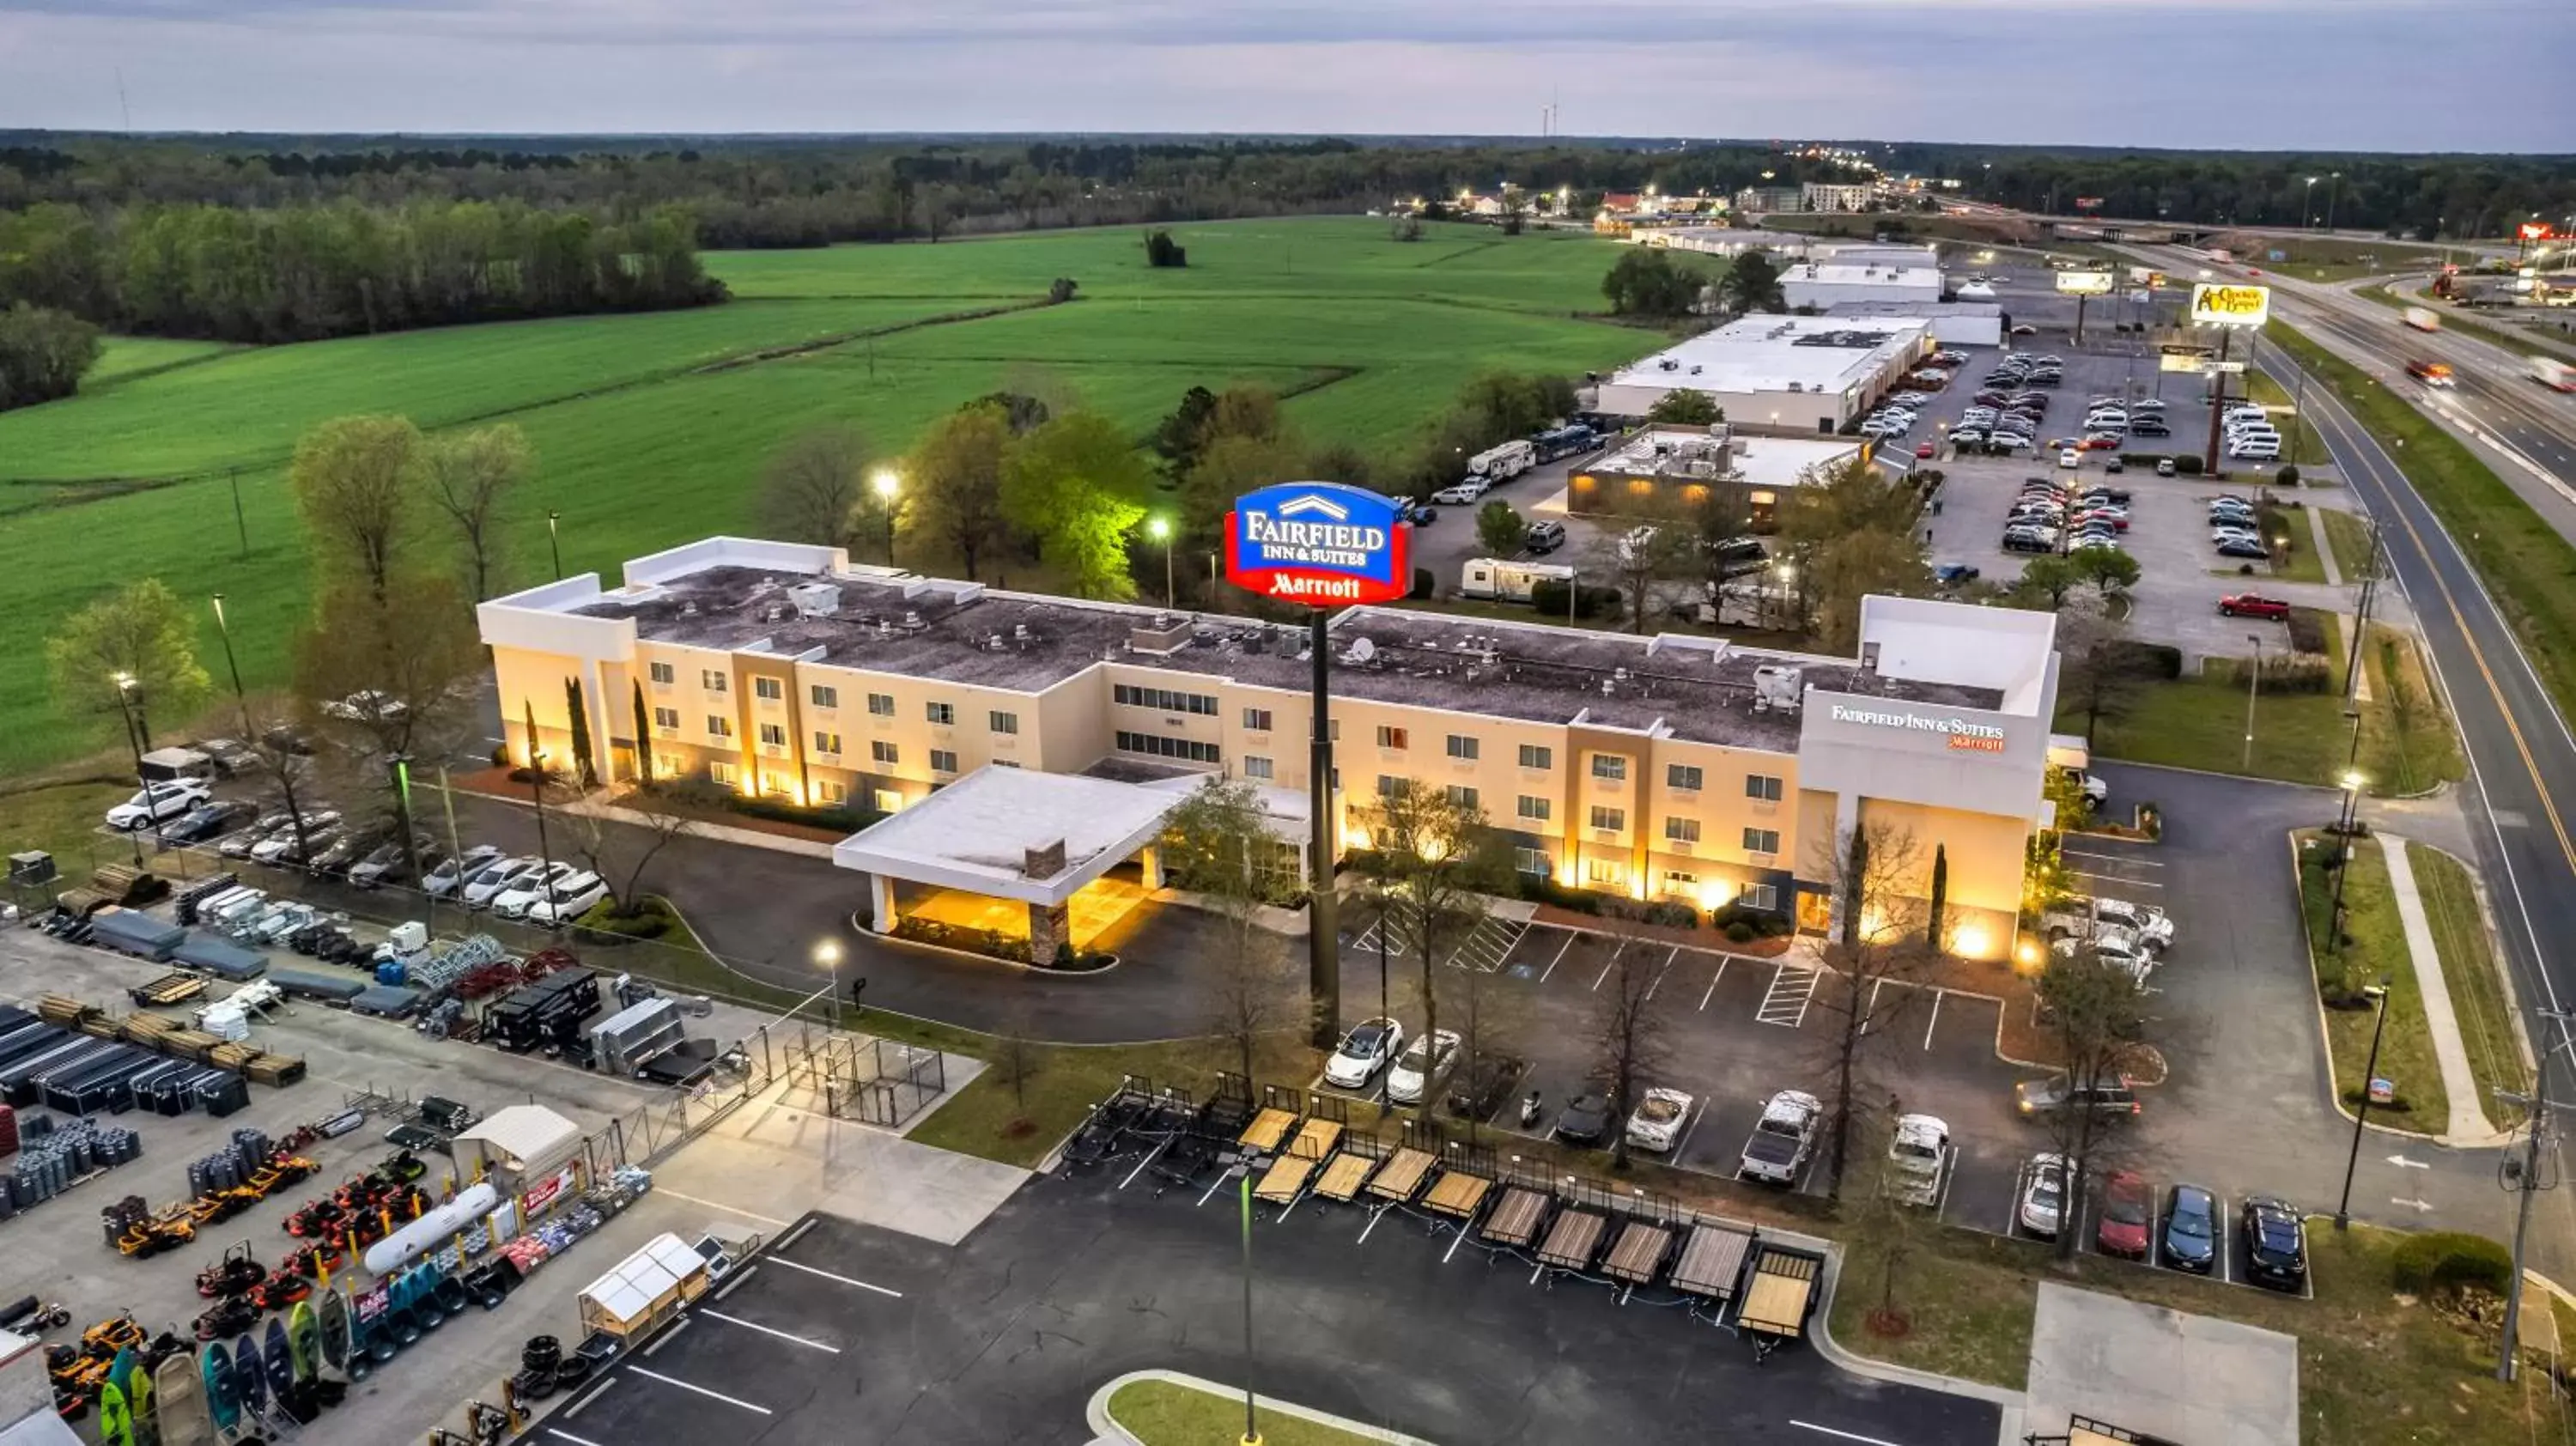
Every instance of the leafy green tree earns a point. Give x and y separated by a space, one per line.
1178 436
579 712
1228 467
43 354
1340 462
1686 407
2110 571
469 475
2048 579
1849 532
1752 283
1648 281
956 473
357 484
1499 528
139 632
643 748
1067 485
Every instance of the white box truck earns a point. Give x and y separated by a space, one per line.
1501 464
2423 318
1508 580
2554 374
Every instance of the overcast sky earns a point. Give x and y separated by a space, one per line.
2342 74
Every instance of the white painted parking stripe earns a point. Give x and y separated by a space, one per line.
1938 994
728 1209
1658 981
768 1331
701 1390
1604 974
1150 1156
827 1275
1845 1435
1712 981
563 1435
668 1336
1559 959
1683 1143
577 1407
740 1278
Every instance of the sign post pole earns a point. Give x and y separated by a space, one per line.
1323 943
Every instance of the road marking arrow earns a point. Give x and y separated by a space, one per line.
2416 1205
2402 1161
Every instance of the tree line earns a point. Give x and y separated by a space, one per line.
306 271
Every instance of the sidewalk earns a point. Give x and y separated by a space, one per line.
2468 1120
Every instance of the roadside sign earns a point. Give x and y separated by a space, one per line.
2175 362
2382 1091
2218 368
2222 303
2142 296
2084 283
1318 543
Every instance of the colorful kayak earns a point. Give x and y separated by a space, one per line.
179 1403
115 1417
250 1382
223 1401
303 1338
139 1394
278 1357
335 1328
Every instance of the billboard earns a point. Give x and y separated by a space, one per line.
2084 283
1318 543
2218 303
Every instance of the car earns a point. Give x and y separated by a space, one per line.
2226 532
2024 329
1461 494
2147 404
2111 1099
2115 521
210 819
390 863
1421 1067
2226 515
2149 427
2242 547
1544 537
2153 926
155 802
1976 291
2276 1244
451 874
2099 442
2252 605
1657 1123
2115 465
2029 540
1923 451
1782 1139
1918 1159
2189 1239
1585 1120
2111 496
523 893
1968 437
1424 514
239 843
2115 946
500 874
284 851
568 898
1478 1087
2128 1212
345 851
1363 1052
2042 1207
1951 574
2256 451
2166 467
2070 457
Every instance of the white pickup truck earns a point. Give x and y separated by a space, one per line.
1782 1139
2081 918
1918 1160
2114 945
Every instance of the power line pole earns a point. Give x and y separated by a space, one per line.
2526 1178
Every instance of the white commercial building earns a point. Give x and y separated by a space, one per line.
1824 284
1787 374
1827 196
1953 323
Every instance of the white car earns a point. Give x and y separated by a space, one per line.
2152 925
1460 494
1917 1159
572 896
1976 291
1423 1063
1657 1123
2115 946
483 888
2042 1210
452 874
1365 1051
2069 457
155 802
521 896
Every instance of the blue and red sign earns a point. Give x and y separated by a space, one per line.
1323 544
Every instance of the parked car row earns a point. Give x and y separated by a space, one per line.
2049 516
2186 1232
1896 415
2236 531
2249 433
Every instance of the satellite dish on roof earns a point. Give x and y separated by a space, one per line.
1362 650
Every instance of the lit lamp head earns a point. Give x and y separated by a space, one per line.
886 483
1159 529
2352 781
828 953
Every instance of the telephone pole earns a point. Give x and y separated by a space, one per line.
2535 1171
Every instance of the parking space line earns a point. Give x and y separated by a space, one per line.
738 1279
561 1434
1658 981
728 1209
1785 1001
667 1337
1560 956
1711 992
1605 972
1845 1435
583 1404
827 1275
1688 1130
768 1331
1938 994
1375 1215
701 1390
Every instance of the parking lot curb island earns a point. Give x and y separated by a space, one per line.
2012 1402
1096 1412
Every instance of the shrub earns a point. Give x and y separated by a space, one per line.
651 918
972 941
2155 660
1763 923
1739 932
1549 598
2188 464
1424 584
2450 1260
2307 630
2288 476
1670 914
500 755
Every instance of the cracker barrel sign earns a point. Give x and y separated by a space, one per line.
2219 304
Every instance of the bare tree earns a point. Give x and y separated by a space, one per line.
1437 856
956 468
2095 1014
1016 1060
1489 1018
390 675
1887 1223
1869 975
621 852
469 474
816 489
1218 844
355 482
1627 1032
1638 559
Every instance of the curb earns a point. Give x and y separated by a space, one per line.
2013 1404
1106 1428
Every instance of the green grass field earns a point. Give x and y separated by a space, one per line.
650 430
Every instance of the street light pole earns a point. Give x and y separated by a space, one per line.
887 486
224 631
2253 687
2343 841
554 540
1251 1430
133 739
2343 1206
828 954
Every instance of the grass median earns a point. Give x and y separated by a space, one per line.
2526 564
2307 448
2349 535
2373 952
1168 1413
2472 972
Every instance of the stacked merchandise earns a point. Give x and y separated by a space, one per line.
55 1159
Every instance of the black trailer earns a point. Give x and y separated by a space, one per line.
549 1011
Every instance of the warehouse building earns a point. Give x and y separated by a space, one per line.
1019 750
1826 284
1664 467
1801 375
1953 323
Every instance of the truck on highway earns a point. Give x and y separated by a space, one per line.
2431 373
2423 318
1501 464
1508 580
2554 374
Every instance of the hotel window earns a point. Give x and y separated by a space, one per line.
1762 840
1162 698
1333 729
940 713
1256 720
1533 808
712 680
768 690
663 672
1601 871
827 742
667 718
1462 797
1610 767
881 704
1531 861
719 726
1758 896
1462 747
721 773
1680 882
1682 776
1256 768
826 791
1391 786
826 697
1003 722
1609 819
1762 786
943 760
1682 830
889 801
1538 756
884 752
1158 746
1389 737
773 735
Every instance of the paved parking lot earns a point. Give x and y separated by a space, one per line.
845 1333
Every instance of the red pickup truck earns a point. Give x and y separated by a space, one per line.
2253 605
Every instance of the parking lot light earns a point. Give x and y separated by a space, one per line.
828 954
2378 995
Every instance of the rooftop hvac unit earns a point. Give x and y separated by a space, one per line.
815 599
1778 687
